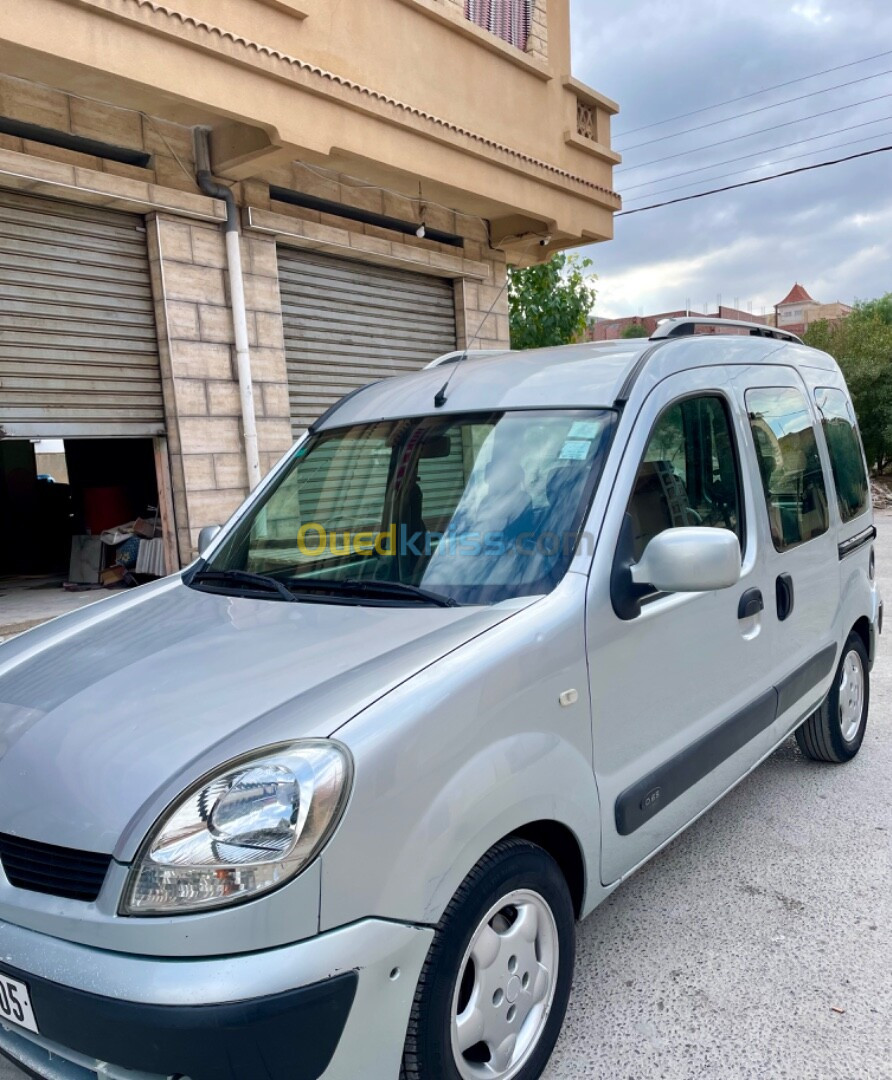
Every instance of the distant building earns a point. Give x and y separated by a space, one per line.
798 310
613 329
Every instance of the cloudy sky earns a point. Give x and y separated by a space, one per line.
830 229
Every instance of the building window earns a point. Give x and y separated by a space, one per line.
508 19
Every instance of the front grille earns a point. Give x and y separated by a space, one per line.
58 871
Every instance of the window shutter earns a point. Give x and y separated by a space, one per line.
508 19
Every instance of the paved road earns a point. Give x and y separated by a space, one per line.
759 944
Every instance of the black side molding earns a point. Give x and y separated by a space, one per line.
846 547
645 798
798 683
649 795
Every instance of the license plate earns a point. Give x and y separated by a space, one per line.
15 1004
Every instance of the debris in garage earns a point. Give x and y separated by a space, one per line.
122 555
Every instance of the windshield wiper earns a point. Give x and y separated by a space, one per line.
372 589
243 577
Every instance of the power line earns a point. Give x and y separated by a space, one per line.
754 112
751 183
754 93
779 161
752 134
756 153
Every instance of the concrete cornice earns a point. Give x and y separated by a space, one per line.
197 33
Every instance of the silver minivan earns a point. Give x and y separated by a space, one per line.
329 803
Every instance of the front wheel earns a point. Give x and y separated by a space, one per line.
835 731
494 989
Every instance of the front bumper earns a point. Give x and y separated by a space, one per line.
335 1007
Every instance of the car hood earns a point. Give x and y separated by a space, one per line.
107 714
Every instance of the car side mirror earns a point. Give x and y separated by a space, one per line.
206 537
690 559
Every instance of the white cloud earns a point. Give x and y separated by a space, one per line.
812 13
664 285
830 229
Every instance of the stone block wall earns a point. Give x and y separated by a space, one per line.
172 164
200 382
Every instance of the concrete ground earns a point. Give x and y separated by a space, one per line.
30 601
759 944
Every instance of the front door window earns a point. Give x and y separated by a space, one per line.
689 473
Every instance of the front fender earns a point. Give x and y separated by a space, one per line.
412 873
450 763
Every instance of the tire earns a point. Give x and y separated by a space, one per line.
516 888
835 731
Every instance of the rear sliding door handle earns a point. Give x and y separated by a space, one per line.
784 589
751 603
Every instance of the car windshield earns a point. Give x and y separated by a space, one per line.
466 509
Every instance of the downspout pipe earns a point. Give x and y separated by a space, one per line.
210 187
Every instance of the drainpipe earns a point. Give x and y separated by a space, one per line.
237 298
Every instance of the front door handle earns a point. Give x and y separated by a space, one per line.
785 596
751 603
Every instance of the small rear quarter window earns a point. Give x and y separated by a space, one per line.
846 455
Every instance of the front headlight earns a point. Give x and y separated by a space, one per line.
241 831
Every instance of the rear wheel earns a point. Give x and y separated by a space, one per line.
494 989
835 731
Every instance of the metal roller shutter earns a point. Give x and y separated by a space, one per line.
78 345
348 323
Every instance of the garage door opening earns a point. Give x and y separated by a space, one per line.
68 509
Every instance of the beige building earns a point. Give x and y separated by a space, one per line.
385 160
798 311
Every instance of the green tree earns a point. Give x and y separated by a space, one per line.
635 330
881 308
862 346
550 304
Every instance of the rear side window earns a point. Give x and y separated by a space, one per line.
689 473
846 457
789 463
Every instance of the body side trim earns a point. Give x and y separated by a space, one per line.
647 796
799 682
847 547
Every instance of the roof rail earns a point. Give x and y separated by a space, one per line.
670 328
472 354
